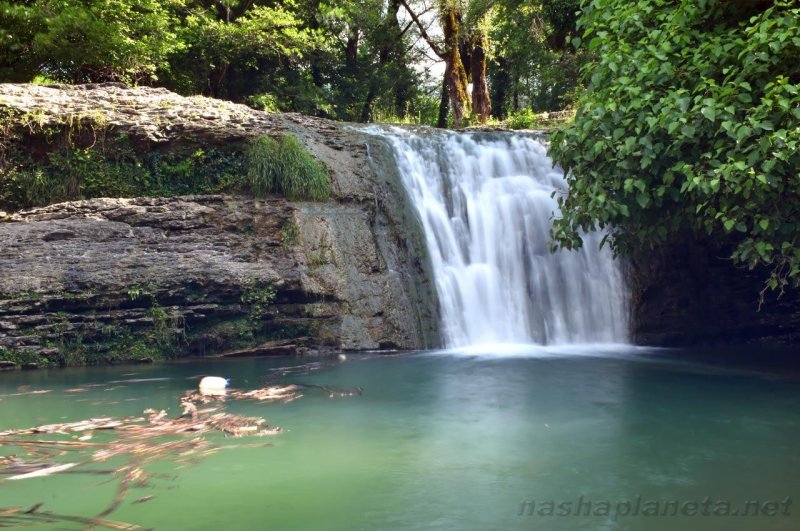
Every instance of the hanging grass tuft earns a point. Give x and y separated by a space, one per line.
281 165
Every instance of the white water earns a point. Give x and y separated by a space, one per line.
485 204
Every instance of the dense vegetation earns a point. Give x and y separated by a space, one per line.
100 164
358 60
689 126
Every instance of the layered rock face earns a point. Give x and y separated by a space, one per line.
120 278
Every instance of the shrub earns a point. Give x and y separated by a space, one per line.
690 124
526 119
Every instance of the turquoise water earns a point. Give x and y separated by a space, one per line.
447 441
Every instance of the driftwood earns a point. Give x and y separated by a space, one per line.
19 517
44 471
271 393
137 441
275 393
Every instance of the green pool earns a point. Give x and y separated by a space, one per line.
533 439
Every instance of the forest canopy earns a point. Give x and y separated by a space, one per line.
358 60
689 125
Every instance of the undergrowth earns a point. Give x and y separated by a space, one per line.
70 173
43 165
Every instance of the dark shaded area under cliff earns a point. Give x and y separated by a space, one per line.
691 294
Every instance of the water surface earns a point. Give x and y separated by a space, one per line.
446 441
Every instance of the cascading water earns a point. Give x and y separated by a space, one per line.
485 204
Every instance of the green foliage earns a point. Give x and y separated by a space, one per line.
690 123
114 169
163 339
81 162
257 298
290 234
282 165
82 41
263 102
535 65
138 291
423 110
343 59
168 329
526 119
22 357
236 36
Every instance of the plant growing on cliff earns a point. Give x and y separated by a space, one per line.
690 124
290 234
169 329
257 298
281 165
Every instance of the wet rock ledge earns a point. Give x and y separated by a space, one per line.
107 280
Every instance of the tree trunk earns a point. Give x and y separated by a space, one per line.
501 81
217 80
314 58
351 51
481 104
444 104
402 98
455 74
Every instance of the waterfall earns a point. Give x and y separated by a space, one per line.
484 201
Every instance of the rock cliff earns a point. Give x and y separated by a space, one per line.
102 279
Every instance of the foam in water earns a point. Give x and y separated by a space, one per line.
527 350
484 201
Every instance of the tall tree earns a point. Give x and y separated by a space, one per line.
461 47
87 40
221 33
389 39
535 64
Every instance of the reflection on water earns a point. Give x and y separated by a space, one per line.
445 441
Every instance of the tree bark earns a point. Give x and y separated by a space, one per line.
456 80
217 80
455 73
481 103
351 51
